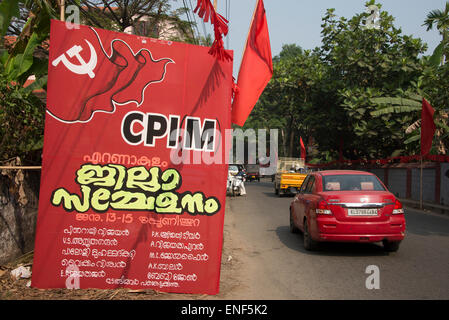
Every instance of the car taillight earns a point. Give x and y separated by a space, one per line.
323 208
398 209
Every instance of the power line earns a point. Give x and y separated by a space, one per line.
228 17
190 22
194 17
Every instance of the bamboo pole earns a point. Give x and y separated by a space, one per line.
215 5
20 167
62 11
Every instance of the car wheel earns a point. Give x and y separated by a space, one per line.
293 228
276 190
391 246
309 243
279 191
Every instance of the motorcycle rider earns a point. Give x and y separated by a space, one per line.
241 173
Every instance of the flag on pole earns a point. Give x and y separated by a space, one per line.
427 127
207 11
303 149
256 68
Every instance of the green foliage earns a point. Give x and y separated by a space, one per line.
8 9
288 96
21 111
22 60
437 56
365 64
22 119
389 105
439 18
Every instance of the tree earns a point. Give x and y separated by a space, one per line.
22 122
367 63
440 18
329 93
284 102
21 112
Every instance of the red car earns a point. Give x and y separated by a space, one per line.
346 205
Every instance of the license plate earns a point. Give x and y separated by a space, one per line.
362 212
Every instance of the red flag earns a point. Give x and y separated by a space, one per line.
256 68
427 127
303 149
206 11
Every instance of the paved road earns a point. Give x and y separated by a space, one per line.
272 263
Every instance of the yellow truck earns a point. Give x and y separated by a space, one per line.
290 175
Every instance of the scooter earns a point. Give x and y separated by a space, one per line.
234 185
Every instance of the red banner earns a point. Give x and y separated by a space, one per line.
129 194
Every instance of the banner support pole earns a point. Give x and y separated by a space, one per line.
62 5
20 167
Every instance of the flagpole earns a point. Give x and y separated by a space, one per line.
427 133
420 187
247 36
215 5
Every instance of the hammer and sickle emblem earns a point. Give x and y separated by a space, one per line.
83 67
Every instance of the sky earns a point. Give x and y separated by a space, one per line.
299 21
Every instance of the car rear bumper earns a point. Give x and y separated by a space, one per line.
329 229
360 238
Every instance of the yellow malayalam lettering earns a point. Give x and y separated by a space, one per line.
171 179
99 199
193 203
167 203
141 178
105 187
126 200
71 202
103 176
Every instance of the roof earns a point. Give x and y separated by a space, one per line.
9 40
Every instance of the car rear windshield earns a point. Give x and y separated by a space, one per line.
351 182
